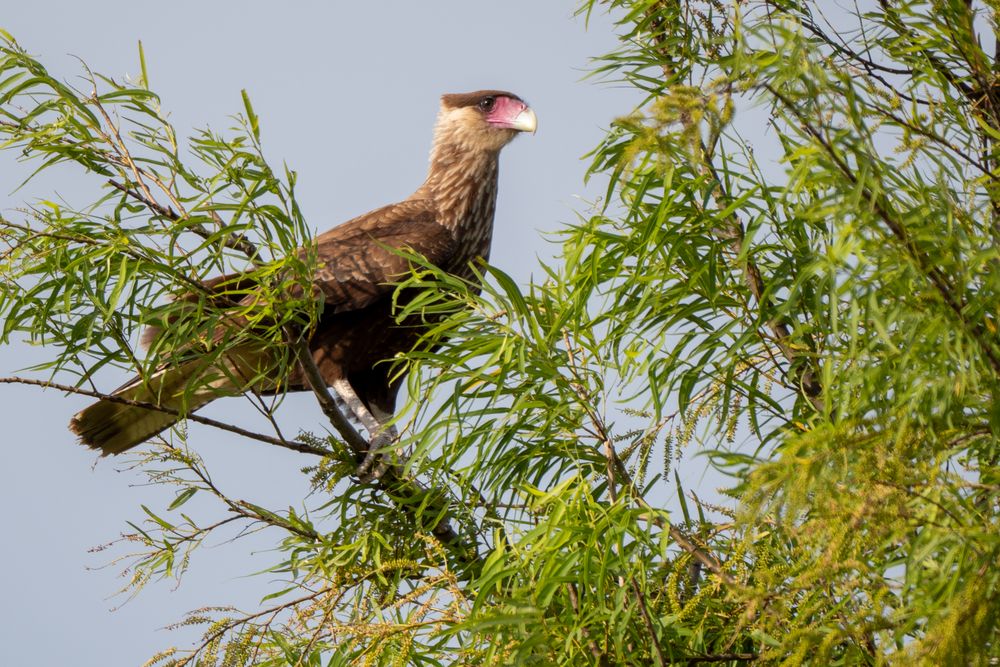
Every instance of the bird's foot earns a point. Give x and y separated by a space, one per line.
377 460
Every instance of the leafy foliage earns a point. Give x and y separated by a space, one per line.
823 327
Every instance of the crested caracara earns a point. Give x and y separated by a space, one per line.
448 220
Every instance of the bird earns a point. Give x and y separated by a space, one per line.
448 220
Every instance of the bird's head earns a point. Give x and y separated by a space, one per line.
485 120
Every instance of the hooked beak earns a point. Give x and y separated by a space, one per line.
525 121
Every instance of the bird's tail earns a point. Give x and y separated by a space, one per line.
116 426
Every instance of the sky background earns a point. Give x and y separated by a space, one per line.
346 94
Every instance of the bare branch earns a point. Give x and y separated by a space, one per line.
280 442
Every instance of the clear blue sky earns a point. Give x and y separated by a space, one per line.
347 94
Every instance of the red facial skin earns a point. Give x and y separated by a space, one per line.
504 112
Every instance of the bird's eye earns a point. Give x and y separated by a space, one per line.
486 104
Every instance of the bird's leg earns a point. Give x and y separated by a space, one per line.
357 406
384 418
378 434
392 434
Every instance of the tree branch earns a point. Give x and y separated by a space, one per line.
238 243
618 473
574 601
722 657
395 478
648 622
734 236
933 274
280 442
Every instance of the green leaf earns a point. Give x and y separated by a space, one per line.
251 116
182 497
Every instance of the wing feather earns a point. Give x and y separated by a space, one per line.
357 262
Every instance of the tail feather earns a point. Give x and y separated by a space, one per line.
114 427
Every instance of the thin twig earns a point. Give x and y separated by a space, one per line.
722 657
156 207
654 640
574 601
250 511
226 627
327 403
111 398
238 243
395 478
622 476
933 273
119 145
733 235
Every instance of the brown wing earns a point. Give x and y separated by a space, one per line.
219 292
357 265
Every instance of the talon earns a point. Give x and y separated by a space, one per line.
367 470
